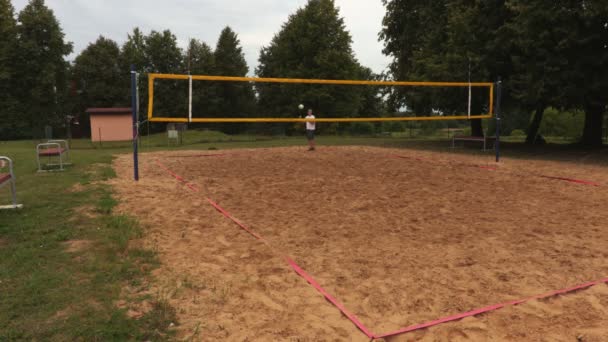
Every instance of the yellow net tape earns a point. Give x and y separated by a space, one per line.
152 77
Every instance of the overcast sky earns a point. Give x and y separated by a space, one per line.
255 22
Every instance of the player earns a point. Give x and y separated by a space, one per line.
310 131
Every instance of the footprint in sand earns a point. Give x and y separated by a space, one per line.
222 239
264 299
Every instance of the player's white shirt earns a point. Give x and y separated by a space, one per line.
310 125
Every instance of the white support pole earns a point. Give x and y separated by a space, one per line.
469 109
137 97
469 106
189 98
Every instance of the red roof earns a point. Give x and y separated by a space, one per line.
120 110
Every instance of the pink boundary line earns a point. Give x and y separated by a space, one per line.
290 261
354 318
199 155
330 298
495 168
490 308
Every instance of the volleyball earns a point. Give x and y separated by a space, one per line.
301 106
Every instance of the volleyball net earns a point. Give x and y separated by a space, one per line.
175 98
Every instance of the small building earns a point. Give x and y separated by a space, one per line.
111 124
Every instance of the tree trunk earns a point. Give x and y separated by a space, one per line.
535 125
592 132
476 128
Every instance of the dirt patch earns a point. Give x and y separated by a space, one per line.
3 243
62 314
88 211
135 309
76 246
398 241
77 188
71 311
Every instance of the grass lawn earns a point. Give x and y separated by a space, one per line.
65 257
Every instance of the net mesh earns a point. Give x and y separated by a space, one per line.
218 99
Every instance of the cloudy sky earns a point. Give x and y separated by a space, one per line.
255 21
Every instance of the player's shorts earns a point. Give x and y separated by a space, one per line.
310 134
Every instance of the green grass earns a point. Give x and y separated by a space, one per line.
50 294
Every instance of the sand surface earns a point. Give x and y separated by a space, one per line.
399 241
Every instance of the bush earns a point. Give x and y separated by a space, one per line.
392 126
361 128
331 129
567 124
518 133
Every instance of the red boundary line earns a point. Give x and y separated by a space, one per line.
354 318
290 261
199 155
490 308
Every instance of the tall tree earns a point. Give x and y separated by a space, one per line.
562 58
10 127
200 60
313 43
98 78
162 52
42 72
98 74
133 52
235 99
164 56
587 69
538 54
372 104
444 40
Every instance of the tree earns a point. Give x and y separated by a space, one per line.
41 77
443 40
587 70
551 53
200 60
133 52
538 57
98 78
371 104
10 127
98 74
234 99
162 55
563 58
313 43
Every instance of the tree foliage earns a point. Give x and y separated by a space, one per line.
98 75
444 41
562 58
162 55
11 124
234 99
550 53
199 60
133 52
98 79
313 43
41 69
